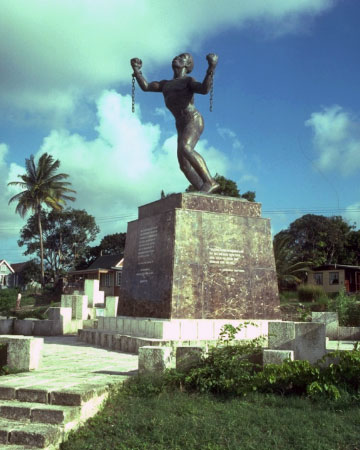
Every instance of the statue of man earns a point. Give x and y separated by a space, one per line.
179 99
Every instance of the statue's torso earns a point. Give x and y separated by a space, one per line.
179 97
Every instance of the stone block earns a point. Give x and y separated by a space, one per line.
310 341
277 356
154 359
78 304
100 323
206 329
112 323
171 330
6 325
331 321
188 357
91 289
23 352
24 327
306 339
281 335
111 306
188 329
60 313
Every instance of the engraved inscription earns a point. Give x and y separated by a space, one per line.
226 259
146 252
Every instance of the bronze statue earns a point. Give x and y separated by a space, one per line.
179 99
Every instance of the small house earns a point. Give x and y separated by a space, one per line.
334 277
107 269
5 272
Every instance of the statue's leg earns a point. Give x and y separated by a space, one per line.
190 161
190 173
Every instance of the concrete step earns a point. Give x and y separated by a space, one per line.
39 413
74 395
31 435
37 424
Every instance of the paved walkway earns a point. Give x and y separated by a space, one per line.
70 364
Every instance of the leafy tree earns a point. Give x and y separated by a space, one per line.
289 270
229 188
321 239
113 243
66 236
42 186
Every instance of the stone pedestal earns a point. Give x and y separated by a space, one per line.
196 256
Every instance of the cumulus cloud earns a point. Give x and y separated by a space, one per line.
336 137
227 133
10 223
352 214
54 51
126 165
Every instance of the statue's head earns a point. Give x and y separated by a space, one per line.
186 59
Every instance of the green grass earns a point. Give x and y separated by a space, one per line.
175 420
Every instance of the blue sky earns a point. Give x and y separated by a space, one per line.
286 118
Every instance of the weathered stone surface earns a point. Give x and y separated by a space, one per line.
111 306
349 333
154 359
306 339
6 325
188 357
331 321
24 327
23 352
201 202
199 257
277 356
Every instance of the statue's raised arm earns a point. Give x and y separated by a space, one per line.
154 86
205 86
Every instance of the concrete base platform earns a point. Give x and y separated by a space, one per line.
179 329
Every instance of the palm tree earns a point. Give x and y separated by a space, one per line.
288 266
41 186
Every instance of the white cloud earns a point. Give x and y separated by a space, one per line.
227 133
352 214
10 223
54 51
337 139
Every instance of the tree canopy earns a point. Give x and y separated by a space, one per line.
323 240
67 235
41 186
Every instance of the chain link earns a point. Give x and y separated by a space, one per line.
133 94
211 92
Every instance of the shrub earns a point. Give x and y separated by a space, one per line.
347 308
310 293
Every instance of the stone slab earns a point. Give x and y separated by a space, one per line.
306 339
23 353
155 359
187 260
331 321
188 358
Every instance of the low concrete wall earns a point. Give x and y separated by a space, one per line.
7 325
349 334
